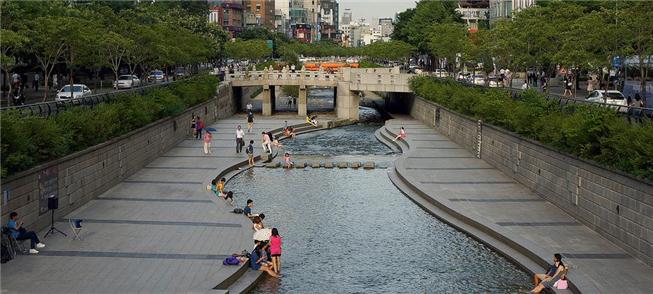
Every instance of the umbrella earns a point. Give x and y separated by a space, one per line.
263 234
210 129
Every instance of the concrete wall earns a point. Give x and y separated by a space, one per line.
86 174
617 206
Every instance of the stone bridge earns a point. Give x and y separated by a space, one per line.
346 83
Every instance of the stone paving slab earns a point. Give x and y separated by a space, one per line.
160 231
597 265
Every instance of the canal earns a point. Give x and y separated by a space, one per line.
353 231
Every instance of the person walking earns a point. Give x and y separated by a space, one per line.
199 126
250 153
240 139
35 82
207 142
567 84
55 81
250 120
193 130
248 107
267 147
275 250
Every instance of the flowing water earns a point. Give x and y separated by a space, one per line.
352 231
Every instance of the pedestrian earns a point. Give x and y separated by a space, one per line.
199 126
639 102
567 84
629 101
240 139
267 147
250 120
192 125
207 142
249 107
55 81
15 81
35 82
275 250
250 153
286 159
401 136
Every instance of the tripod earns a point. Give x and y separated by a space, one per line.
52 228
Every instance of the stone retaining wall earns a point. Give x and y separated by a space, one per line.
616 205
82 176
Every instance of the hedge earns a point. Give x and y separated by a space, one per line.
591 132
29 141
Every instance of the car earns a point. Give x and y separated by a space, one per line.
478 80
180 72
440 73
78 91
613 97
156 76
416 70
126 82
464 76
493 82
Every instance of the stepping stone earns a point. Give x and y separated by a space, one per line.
328 164
265 157
343 165
355 164
300 165
368 165
315 165
272 165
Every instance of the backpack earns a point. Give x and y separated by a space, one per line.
7 251
238 210
231 260
250 149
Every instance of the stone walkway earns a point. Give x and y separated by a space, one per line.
159 231
452 176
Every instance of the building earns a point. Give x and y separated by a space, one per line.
302 33
347 17
329 17
504 9
474 13
228 14
259 13
386 27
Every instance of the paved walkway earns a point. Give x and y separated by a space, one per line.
454 177
159 231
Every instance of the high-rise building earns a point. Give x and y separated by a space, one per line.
329 20
282 16
474 13
259 13
386 27
347 17
228 14
503 9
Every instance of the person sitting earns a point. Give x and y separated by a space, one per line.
258 260
220 186
312 120
257 223
229 197
401 136
214 186
248 209
555 273
289 132
19 233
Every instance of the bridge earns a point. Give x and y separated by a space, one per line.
346 83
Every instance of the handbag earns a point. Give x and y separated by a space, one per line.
561 284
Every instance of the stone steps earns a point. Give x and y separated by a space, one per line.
326 164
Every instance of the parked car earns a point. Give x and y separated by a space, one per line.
415 70
180 72
440 73
478 79
464 76
78 91
126 82
493 82
610 97
156 76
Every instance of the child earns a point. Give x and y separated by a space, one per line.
207 142
229 197
402 135
250 153
286 159
220 187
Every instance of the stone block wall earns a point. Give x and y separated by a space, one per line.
84 175
616 205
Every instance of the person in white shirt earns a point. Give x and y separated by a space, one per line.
266 142
240 142
249 106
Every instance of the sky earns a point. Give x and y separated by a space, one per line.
372 10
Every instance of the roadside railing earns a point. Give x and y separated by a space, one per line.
49 108
632 113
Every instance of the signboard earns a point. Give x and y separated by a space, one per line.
617 62
48 181
270 44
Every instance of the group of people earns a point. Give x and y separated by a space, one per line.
555 276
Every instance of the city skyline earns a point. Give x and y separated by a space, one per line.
372 10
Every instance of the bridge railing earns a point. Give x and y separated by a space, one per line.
281 75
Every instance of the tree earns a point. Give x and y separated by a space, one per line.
47 43
251 49
114 48
11 42
425 15
639 35
447 40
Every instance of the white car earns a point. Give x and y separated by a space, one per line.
610 97
478 80
126 82
440 73
78 90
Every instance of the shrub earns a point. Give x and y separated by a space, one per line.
29 141
591 132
